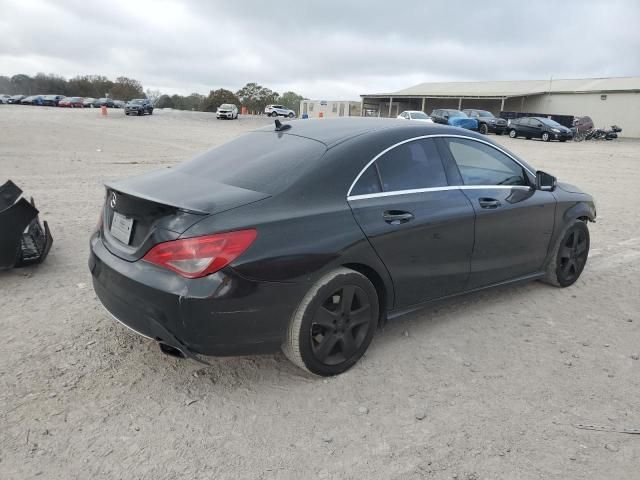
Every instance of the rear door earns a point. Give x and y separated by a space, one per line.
421 228
514 221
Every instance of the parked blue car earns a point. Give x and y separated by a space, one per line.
455 118
32 100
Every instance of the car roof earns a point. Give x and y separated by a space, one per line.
332 131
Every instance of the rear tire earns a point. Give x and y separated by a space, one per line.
569 255
513 133
334 323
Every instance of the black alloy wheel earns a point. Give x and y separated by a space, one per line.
572 254
334 324
340 325
484 129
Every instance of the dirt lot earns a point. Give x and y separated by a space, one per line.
486 386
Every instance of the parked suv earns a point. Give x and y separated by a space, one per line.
539 127
227 110
279 110
487 121
138 106
52 100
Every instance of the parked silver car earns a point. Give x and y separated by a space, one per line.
279 110
227 110
415 115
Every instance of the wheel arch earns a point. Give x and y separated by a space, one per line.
580 211
385 292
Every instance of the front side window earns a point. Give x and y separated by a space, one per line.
481 164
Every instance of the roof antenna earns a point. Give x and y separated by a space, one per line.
280 126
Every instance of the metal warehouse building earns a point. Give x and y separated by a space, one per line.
607 101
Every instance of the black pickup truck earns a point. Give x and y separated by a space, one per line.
487 122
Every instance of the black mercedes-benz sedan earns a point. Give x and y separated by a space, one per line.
308 236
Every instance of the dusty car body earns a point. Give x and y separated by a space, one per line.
307 236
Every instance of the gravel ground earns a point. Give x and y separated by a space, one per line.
485 386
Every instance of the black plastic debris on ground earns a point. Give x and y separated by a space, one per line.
23 239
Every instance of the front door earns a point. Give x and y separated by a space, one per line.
514 221
421 228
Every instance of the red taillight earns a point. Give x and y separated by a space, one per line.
199 256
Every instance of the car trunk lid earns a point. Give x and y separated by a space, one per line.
159 206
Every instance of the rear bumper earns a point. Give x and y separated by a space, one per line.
221 314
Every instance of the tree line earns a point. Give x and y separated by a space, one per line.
94 86
253 96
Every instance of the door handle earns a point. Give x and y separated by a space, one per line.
396 217
489 202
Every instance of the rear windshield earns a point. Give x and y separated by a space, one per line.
260 161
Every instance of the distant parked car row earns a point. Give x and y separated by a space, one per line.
486 122
61 101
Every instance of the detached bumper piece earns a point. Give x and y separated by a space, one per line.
23 240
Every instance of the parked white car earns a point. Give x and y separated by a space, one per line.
227 110
415 115
279 110
4 98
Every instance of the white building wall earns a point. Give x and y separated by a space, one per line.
622 109
328 108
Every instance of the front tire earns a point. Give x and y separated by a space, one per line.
569 256
334 323
546 137
513 133
291 115
484 129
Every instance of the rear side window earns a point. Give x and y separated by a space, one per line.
481 164
369 182
411 166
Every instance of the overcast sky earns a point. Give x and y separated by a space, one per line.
322 49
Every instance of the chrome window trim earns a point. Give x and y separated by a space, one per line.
421 137
436 189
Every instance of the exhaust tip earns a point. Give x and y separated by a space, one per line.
171 351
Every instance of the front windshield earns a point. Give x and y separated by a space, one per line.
136 101
456 113
484 113
549 122
419 115
226 106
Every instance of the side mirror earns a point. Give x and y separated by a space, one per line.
545 182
